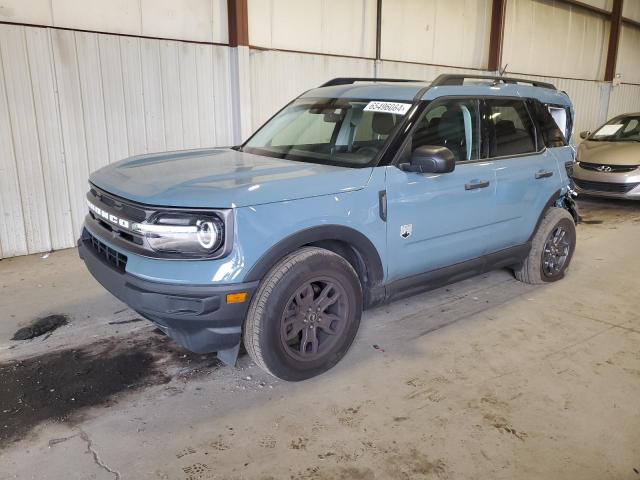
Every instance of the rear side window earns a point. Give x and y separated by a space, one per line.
510 128
549 129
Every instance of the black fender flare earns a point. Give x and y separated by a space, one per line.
360 242
567 203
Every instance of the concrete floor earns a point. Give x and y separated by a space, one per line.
488 378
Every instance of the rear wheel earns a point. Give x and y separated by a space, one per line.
304 315
551 250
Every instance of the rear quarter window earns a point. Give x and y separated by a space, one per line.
549 130
511 130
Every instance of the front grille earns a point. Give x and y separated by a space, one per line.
120 207
605 186
107 253
614 168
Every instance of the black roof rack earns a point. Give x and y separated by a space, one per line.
349 80
458 79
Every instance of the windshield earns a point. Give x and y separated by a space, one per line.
332 131
619 129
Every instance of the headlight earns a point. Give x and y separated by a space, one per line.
193 235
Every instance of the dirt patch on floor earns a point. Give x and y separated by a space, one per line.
40 326
597 211
58 386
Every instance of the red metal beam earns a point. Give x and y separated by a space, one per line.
238 23
614 40
496 35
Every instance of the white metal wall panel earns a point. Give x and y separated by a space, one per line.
279 77
631 9
624 99
133 94
321 26
196 20
92 100
152 87
49 137
114 101
444 32
24 128
415 71
552 38
603 4
13 238
222 96
36 12
189 95
71 102
205 95
628 65
71 122
192 20
118 16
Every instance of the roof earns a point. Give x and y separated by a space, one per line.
445 85
370 90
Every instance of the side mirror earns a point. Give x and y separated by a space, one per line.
430 159
585 134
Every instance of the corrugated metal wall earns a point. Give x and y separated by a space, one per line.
71 102
442 32
555 39
279 77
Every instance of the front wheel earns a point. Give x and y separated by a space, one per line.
552 248
304 315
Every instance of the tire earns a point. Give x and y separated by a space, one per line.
541 266
312 290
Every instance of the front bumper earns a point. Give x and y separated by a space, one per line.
606 184
195 316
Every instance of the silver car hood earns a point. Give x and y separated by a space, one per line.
609 153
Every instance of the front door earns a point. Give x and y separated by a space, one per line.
437 220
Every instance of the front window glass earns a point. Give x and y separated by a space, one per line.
620 129
452 124
334 131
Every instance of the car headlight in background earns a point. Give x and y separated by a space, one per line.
194 235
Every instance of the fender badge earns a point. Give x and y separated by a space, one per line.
405 230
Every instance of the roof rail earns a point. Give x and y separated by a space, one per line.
349 80
458 79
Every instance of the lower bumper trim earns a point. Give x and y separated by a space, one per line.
196 316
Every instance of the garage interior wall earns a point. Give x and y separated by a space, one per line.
86 83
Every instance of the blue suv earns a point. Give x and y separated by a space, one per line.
354 194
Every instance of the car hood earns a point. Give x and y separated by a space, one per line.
609 153
222 178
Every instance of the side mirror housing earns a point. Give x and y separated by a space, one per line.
585 134
430 159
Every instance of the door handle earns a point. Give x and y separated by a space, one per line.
543 174
478 184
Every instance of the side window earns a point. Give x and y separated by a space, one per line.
511 130
549 124
452 124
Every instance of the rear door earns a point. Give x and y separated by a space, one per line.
437 220
527 173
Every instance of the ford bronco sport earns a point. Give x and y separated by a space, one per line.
354 194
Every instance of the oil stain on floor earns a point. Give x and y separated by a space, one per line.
57 386
40 326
